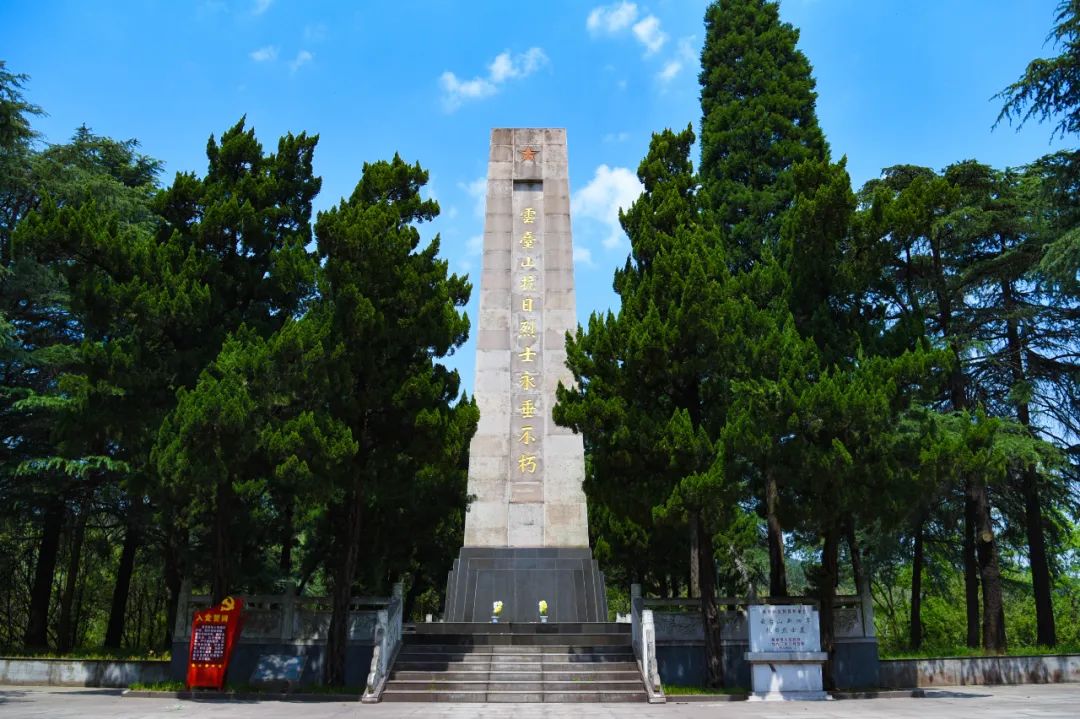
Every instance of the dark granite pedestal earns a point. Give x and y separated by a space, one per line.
567 578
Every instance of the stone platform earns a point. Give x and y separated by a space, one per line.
567 578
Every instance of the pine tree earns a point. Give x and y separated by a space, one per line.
392 311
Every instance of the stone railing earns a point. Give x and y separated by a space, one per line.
643 637
387 642
680 618
680 638
287 617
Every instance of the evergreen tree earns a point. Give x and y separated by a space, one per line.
392 311
758 121
654 382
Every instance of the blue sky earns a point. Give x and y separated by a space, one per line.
898 82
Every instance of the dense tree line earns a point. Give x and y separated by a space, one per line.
888 375
198 381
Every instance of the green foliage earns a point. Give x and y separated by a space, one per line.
758 122
1050 87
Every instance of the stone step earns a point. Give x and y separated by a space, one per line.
502 666
394 695
453 685
410 648
582 639
517 628
529 675
420 656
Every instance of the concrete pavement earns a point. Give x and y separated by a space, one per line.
1053 701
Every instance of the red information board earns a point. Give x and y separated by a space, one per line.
214 632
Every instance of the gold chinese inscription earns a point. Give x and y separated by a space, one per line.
528 282
527 354
527 328
527 409
527 463
528 240
527 381
529 263
528 216
527 437
527 304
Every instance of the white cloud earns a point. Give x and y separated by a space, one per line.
617 137
302 58
669 71
610 19
315 32
617 18
265 54
477 190
503 68
475 245
261 6
684 55
456 91
610 189
583 256
650 35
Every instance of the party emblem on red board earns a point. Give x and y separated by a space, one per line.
214 633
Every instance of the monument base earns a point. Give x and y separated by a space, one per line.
787 676
567 578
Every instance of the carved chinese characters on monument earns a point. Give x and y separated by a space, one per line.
525 472
526 529
790 628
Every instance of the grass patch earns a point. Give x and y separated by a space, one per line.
119 655
966 651
676 690
158 687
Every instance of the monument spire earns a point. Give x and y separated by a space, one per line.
528 513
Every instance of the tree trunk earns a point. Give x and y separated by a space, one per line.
173 577
37 632
777 571
221 576
1046 631
114 634
344 573
971 570
692 590
915 641
829 575
710 613
65 631
287 539
993 625
856 559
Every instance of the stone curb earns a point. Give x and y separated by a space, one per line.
241 696
868 694
681 698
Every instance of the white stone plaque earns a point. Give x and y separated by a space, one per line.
784 628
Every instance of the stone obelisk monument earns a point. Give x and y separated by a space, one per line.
526 531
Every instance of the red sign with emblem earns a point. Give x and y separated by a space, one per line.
214 633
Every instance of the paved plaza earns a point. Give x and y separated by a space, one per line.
1058 701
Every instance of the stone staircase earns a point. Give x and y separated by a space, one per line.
516 663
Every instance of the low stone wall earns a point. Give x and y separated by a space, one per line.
956 671
82 672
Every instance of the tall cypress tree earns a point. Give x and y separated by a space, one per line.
758 121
